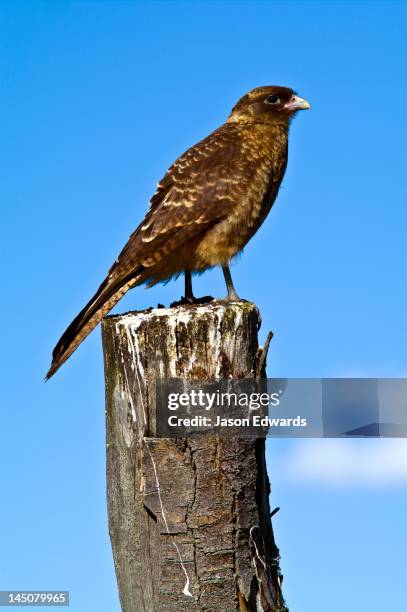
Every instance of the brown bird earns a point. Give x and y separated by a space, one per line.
206 208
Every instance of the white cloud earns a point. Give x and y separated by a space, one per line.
380 461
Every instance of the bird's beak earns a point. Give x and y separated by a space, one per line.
297 103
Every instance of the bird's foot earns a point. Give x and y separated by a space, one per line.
190 301
231 297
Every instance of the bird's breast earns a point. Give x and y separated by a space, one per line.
263 163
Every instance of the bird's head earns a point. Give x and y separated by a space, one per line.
272 104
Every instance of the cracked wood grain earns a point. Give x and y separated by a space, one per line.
189 519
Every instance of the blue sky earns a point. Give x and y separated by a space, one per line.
97 100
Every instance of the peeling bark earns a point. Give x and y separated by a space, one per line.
189 519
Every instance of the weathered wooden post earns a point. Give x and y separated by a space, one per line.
189 518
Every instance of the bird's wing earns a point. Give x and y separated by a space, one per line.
199 189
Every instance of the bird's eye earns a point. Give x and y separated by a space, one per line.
273 99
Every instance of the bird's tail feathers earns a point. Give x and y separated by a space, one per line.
101 303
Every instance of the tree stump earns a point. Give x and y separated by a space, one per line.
189 518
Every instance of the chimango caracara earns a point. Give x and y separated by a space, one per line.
206 208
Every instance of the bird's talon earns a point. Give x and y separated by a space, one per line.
205 299
182 302
229 299
191 301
